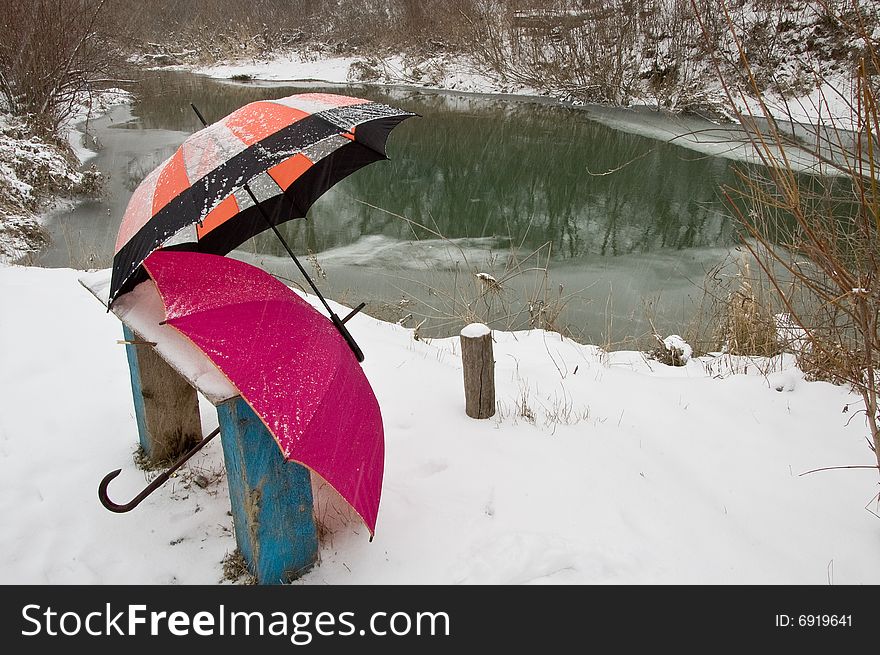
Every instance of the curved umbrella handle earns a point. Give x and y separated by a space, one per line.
150 488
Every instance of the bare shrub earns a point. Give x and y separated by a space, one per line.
816 234
597 52
53 54
202 30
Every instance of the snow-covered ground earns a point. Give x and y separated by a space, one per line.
597 468
451 72
26 164
34 172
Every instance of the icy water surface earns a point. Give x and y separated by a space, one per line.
624 217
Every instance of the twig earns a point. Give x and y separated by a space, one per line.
835 468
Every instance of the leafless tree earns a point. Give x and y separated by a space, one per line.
53 53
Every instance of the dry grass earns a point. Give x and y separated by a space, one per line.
748 325
523 409
235 569
738 313
145 463
669 356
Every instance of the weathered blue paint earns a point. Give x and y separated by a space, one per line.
137 390
271 498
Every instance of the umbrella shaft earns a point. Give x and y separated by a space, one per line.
339 324
287 248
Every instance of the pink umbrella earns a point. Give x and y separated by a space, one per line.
289 363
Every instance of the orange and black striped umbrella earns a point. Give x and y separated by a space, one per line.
287 151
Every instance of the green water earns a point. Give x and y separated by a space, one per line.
624 218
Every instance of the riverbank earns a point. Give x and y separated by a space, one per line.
828 103
798 58
445 71
598 468
37 173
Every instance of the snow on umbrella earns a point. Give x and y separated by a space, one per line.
287 361
261 165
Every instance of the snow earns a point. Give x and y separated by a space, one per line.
679 347
33 172
597 467
475 330
378 251
290 66
446 71
143 311
831 104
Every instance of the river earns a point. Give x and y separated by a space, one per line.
505 186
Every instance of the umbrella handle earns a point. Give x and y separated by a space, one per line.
150 488
340 325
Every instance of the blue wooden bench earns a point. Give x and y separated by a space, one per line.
271 498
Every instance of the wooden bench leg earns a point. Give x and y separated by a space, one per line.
271 498
165 405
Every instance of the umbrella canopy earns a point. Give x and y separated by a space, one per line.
289 364
289 151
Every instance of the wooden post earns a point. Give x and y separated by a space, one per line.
478 363
271 498
165 405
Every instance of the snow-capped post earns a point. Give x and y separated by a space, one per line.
478 363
